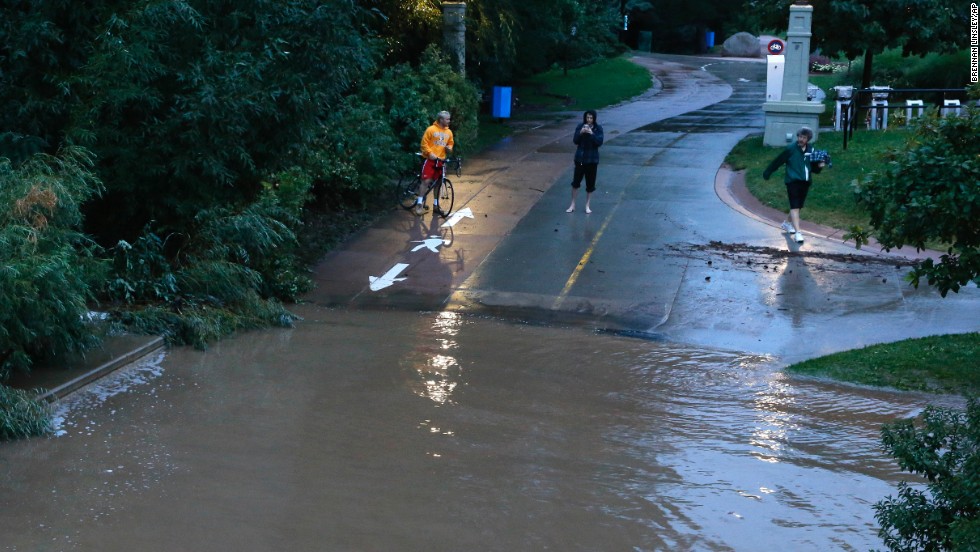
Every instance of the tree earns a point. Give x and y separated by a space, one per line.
944 448
42 44
364 145
929 191
43 255
185 103
508 39
191 104
407 27
855 28
679 25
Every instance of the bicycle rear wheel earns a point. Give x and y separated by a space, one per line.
407 191
446 196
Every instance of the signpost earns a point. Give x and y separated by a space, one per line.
775 67
792 110
776 47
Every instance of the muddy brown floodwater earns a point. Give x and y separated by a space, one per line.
437 431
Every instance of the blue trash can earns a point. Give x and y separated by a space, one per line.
500 107
709 39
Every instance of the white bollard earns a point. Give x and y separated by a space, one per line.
951 107
909 104
879 114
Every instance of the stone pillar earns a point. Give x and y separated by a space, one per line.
793 110
454 34
797 53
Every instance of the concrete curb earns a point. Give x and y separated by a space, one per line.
65 389
730 188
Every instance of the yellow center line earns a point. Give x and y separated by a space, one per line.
588 252
581 264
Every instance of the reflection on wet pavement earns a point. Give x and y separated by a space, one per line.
401 431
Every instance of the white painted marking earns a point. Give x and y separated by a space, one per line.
389 277
432 243
458 216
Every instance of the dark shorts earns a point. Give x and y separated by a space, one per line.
797 190
587 170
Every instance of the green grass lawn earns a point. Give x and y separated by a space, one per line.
831 200
937 364
550 94
607 82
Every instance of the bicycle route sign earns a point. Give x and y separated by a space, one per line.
776 47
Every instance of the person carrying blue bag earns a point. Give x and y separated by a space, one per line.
802 162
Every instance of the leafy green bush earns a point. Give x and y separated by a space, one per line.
944 448
367 141
937 71
189 105
891 68
887 67
21 415
413 95
928 191
18 147
43 258
355 156
140 271
232 270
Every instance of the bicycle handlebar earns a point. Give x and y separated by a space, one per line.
455 163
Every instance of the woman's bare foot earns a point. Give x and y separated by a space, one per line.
570 209
587 210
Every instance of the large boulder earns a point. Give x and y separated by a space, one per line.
741 45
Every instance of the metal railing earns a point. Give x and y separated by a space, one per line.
875 101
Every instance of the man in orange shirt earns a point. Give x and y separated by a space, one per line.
437 144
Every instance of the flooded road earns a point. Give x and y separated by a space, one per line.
374 430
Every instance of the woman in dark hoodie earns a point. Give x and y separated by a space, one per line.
588 138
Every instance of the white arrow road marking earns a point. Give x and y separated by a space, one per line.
389 277
432 243
458 216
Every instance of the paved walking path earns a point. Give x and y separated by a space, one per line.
671 251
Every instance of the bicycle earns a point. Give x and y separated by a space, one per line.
408 186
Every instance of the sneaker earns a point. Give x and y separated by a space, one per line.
788 228
436 210
798 237
420 209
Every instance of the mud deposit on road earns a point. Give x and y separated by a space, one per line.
763 258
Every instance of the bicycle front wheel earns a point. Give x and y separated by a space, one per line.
446 196
407 191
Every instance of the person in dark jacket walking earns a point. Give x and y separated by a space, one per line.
799 173
588 138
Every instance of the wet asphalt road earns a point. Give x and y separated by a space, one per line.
661 256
